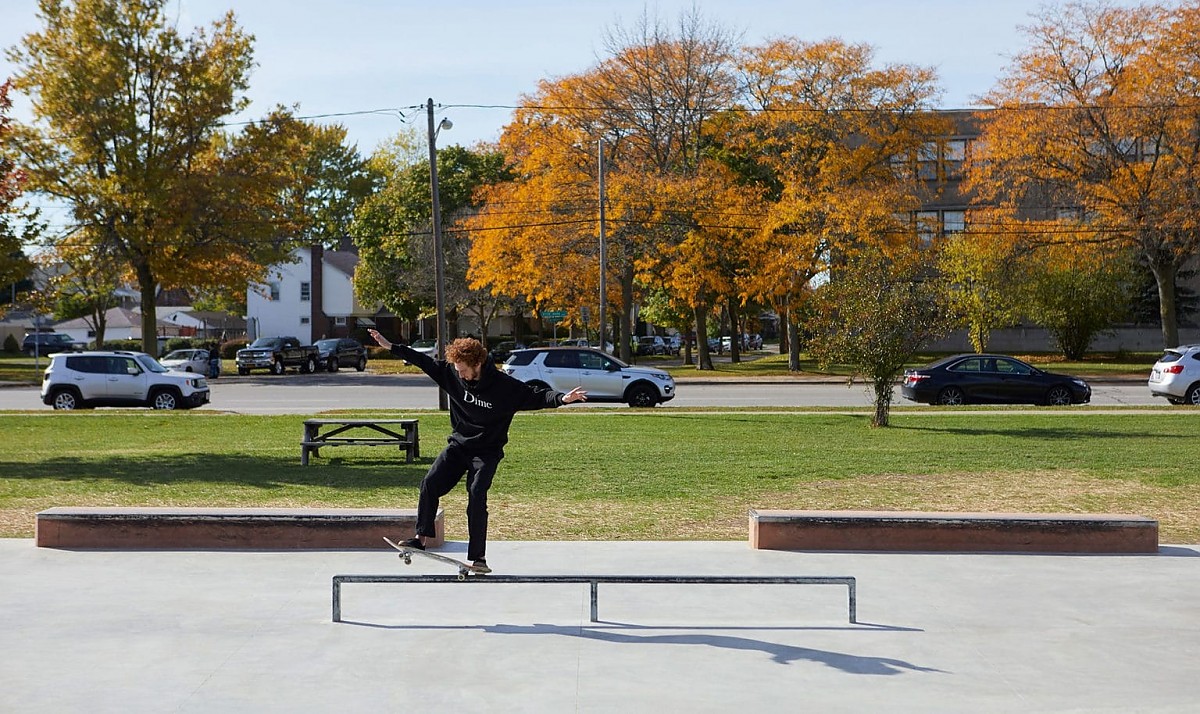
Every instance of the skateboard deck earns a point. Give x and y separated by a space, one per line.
406 554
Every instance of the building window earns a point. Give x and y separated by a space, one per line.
274 287
305 321
927 161
954 222
305 292
339 321
953 154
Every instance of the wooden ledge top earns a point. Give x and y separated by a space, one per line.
778 516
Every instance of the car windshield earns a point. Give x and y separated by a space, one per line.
150 363
179 354
265 342
327 344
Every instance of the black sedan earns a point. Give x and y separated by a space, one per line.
991 379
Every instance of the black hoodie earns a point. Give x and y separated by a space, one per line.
481 412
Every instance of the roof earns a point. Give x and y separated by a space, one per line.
344 261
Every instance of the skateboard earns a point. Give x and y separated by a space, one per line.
407 553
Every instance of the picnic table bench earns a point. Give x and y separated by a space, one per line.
324 433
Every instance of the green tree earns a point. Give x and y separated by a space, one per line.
1078 291
392 229
126 130
875 314
984 281
14 265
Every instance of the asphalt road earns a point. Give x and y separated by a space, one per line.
314 393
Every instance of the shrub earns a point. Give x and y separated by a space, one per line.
230 348
11 346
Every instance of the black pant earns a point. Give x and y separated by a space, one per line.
445 473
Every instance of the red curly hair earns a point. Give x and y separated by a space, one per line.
466 350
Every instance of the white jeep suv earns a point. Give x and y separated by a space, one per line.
119 379
604 377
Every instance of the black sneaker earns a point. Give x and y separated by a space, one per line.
480 566
414 543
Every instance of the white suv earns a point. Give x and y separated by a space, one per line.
604 377
1176 375
119 379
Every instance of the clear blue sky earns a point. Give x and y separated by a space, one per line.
333 56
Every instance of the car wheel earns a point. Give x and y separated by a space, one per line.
333 364
1058 396
187 369
642 395
277 367
362 364
310 365
164 399
951 397
65 399
1193 396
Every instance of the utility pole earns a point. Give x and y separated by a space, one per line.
438 256
603 244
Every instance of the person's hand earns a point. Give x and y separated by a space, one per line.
575 395
379 339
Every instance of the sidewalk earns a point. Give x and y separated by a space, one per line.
252 632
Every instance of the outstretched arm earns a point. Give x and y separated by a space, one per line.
426 363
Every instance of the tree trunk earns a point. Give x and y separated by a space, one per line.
735 333
883 404
624 348
703 358
1164 277
793 339
146 286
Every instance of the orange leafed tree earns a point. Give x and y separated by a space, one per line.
648 102
825 130
1097 119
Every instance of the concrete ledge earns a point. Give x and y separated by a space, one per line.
226 528
952 532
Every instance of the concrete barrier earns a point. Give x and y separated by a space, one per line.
952 532
226 528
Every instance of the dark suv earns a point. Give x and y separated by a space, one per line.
46 343
341 352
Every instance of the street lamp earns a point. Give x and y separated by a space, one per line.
438 254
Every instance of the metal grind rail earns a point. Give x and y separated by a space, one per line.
595 580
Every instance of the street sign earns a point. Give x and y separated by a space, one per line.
554 315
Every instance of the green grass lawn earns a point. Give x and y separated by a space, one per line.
599 474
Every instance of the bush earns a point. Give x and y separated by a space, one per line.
230 348
378 352
11 346
128 345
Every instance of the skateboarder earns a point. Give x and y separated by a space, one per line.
483 401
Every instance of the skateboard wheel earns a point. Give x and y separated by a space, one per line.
408 560
462 577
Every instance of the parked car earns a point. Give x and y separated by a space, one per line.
991 379
275 354
501 351
651 345
752 342
46 343
1176 375
604 377
119 379
674 344
338 352
425 346
187 361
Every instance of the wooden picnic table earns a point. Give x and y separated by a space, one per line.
322 433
